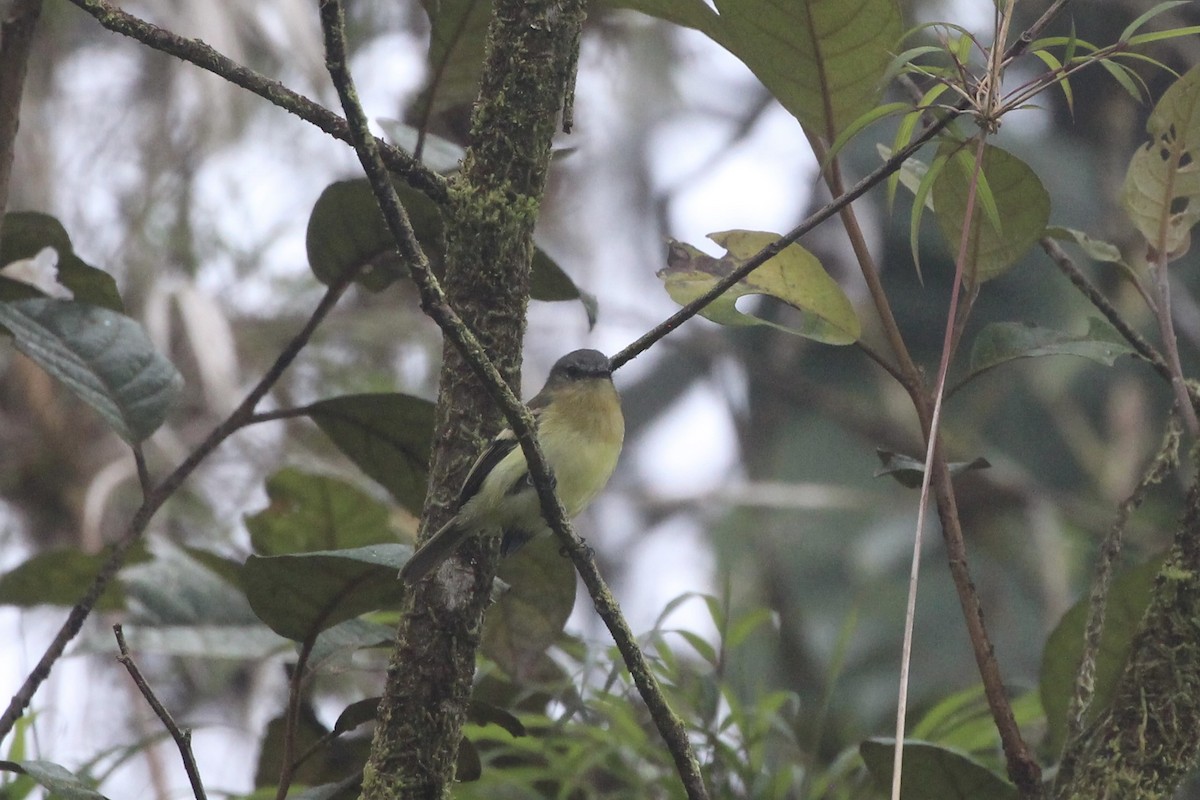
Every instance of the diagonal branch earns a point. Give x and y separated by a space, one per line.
433 301
202 55
154 500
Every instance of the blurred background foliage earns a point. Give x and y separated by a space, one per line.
748 473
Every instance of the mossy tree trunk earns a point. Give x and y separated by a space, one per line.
493 206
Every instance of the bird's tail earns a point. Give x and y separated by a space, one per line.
434 551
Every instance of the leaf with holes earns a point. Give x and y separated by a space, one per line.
25 234
1162 185
794 276
102 356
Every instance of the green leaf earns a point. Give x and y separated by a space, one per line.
102 356
823 61
1134 26
59 781
307 512
1162 185
964 721
346 231
387 435
934 772
1016 196
59 578
458 34
440 155
334 761
1128 598
1095 249
177 589
1000 342
338 644
26 233
909 472
531 614
794 277
300 594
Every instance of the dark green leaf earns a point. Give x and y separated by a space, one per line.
1127 601
316 512
1095 249
346 231
299 595
104 357
932 772
357 713
59 781
909 472
458 32
59 578
334 761
481 713
387 435
529 616
26 233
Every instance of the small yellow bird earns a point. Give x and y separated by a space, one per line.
580 428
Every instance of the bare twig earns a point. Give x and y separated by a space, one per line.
202 55
434 303
16 39
183 739
154 500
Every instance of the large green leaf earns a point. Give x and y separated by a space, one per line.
457 39
387 435
934 772
794 277
1127 601
1000 342
300 594
1162 185
103 356
822 59
530 614
1011 189
26 233
309 512
346 231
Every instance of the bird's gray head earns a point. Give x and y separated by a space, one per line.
581 364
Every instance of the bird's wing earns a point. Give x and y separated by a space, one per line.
499 447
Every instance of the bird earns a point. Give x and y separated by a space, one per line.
580 427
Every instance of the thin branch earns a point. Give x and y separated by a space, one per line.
183 739
16 40
288 758
644 342
154 500
433 301
202 55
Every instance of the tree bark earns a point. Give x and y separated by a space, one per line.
492 209
1145 743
